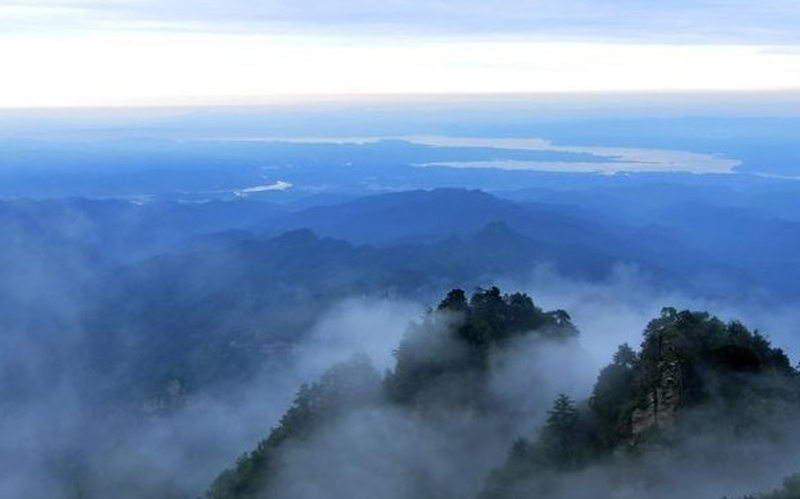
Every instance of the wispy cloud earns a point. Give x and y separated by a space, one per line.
135 67
279 186
131 52
729 21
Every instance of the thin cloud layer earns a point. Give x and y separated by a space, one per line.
712 21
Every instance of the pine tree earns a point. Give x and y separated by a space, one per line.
560 439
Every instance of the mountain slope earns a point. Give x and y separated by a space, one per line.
698 387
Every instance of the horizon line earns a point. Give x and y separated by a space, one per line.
278 100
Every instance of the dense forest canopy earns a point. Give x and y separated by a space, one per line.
693 375
443 361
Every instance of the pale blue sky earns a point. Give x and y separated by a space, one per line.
74 52
689 21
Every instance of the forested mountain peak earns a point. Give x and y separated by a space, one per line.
443 363
693 375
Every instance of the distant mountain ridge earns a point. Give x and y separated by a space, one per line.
210 291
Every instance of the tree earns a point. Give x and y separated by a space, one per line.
625 356
483 324
342 388
611 402
561 442
455 301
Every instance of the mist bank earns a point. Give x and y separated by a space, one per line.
180 436
149 344
468 411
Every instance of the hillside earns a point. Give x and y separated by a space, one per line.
443 367
145 314
696 387
694 377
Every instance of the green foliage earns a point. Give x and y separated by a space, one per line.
563 440
611 402
724 362
703 360
449 349
446 359
455 341
563 446
455 301
342 388
789 490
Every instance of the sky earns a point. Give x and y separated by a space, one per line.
162 52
